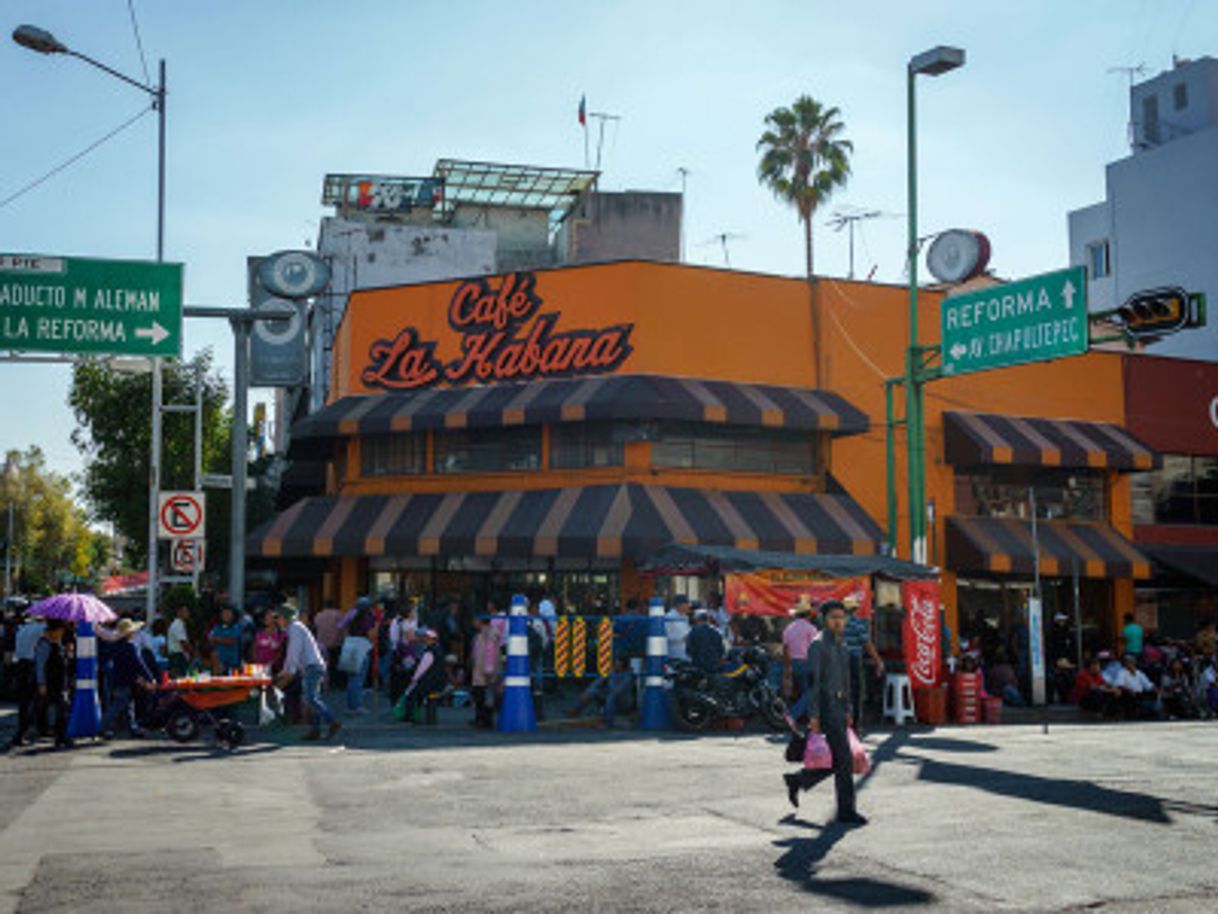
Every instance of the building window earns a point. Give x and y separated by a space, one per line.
1098 264
1179 96
488 450
1006 492
690 446
1183 491
585 444
393 455
1150 119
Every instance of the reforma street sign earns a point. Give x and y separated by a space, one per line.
1033 320
78 305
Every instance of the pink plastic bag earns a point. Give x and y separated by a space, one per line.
859 761
817 753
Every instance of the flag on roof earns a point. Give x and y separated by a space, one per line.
583 111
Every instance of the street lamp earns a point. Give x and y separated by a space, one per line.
11 476
42 41
935 62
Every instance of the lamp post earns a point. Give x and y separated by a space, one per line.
11 475
935 62
42 41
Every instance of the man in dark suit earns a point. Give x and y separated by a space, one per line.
829 707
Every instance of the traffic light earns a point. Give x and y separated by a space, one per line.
1158 312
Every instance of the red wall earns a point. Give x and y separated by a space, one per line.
1172 404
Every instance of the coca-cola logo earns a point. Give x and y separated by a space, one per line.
504 337
923 624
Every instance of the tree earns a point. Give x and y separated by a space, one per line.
804 159
114 433
52 543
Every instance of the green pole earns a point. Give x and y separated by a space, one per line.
890 468
913 387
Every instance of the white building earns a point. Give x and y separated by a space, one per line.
1158 225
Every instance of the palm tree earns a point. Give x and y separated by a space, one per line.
804 159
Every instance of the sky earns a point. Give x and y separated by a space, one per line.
266 98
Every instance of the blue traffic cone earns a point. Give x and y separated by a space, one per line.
517 714
85 719
655 696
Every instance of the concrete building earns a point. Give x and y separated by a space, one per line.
1158 223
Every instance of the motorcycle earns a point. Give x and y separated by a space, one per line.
740 690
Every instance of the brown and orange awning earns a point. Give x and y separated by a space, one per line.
1005 546
972 439
589 522
623 397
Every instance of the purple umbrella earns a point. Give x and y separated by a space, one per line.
73 607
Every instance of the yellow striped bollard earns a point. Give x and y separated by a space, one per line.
562 647
604 647
579 647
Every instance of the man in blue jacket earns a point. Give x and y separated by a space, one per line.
127 673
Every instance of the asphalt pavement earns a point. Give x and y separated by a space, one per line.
391 818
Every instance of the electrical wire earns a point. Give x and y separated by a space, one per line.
845 333
139 44
76 158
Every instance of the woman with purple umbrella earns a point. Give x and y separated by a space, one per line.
85 610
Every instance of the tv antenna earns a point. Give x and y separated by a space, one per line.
722 239
846 220
1131 73
601 116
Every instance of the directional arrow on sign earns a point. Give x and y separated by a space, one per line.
959 350
1068 294
156 333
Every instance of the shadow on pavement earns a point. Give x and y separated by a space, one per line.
950 744
180 753
801 855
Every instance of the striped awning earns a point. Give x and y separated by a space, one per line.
636 397
972 439
594 522
1005 545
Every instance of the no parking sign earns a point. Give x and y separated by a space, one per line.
181 515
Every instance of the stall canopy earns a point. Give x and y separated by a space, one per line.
973 439
621 397
1005 545
1197 562
677 558
593 522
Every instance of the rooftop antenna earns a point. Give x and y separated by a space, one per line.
843 220
602 116
722 239
1131 73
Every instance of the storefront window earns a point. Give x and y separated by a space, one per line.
1006 492
1183 491
687 445
489 450
393 455
585 444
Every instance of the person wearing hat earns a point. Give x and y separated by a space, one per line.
304 659
829 709
430 674
797 638
128 671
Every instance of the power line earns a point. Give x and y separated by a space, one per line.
80 155
135 27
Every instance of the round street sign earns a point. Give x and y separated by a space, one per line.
294 274
279 332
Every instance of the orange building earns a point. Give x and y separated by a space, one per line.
565 423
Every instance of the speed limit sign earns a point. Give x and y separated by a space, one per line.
186 556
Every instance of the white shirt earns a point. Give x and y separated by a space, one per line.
1133 682
676 627
302 649
27 639
401 629
177 638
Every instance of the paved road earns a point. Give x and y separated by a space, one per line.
1114 818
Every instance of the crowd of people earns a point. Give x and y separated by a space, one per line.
1144 676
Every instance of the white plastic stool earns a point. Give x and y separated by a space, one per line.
898 698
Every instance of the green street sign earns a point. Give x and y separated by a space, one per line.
82 306
1032 320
